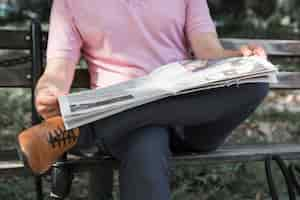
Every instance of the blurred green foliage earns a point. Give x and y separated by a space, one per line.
15 114
20 10
257 18
254 18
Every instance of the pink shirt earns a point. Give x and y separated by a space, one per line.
125 39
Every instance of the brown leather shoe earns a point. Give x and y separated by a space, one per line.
41 145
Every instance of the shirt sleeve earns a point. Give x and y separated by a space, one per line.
64 40
198 18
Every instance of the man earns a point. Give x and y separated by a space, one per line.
125 39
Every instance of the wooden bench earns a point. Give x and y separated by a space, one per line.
21 72
25 72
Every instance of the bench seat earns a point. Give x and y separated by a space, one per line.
11 168
228 153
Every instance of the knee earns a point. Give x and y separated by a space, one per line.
257 91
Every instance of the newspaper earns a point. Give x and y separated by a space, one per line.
172 79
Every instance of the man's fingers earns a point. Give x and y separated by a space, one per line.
257 50
252 49
252 46
50 114
45 109
260 52
245 50
47 100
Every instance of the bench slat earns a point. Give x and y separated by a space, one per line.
19 76
287 80
8 155
256 152
10 165
228 153
273 47
12 168
11 39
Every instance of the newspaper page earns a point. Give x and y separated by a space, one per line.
226 72
172 79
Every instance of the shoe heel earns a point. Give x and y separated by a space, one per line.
23 158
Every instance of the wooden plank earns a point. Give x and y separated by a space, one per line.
12 168
273 47
227 153
256 152
287 80
12 39
8 154
19 76
11 165
240 152
12 54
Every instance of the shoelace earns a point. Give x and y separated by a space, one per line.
61 137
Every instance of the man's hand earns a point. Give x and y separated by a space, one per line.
253 50
47 102
207 46
56 81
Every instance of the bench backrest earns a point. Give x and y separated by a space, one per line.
18 72
26 75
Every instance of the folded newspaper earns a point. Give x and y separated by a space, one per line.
172 79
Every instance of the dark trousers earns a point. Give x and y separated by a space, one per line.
143 138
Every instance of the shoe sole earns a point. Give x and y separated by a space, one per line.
23 159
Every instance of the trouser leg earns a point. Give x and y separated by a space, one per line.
144 169
144 165
209 136
195 109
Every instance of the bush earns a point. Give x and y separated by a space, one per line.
15 115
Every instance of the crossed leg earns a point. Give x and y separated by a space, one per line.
139 137
227 107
